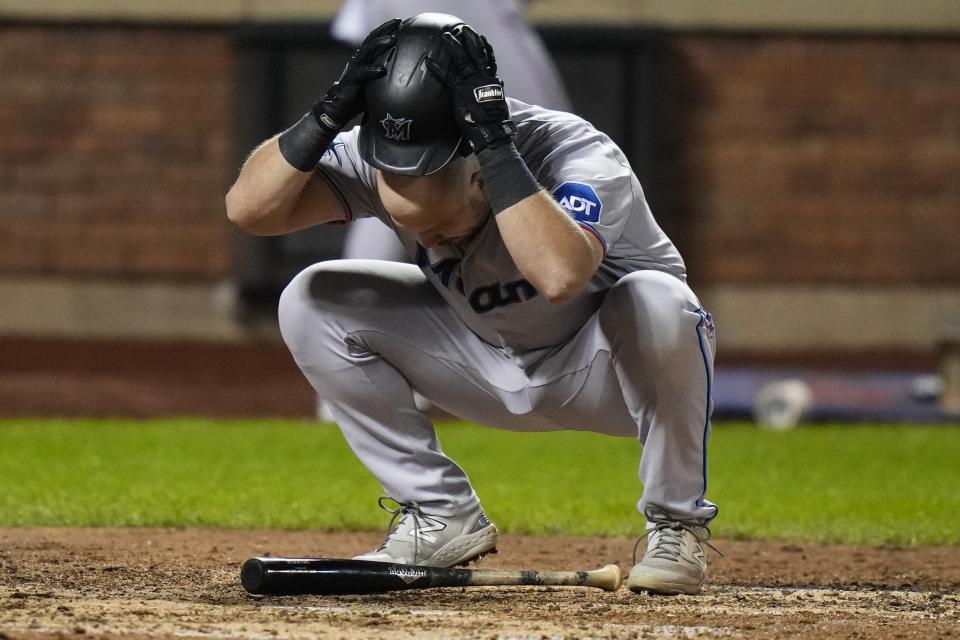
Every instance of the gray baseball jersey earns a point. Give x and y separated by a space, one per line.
588 176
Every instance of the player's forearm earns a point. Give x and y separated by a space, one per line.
265 194
274 193
550 249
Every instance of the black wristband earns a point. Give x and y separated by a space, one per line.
303 144
506 178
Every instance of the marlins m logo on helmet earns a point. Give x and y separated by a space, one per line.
396 128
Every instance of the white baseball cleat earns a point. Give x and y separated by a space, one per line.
675 560
434 541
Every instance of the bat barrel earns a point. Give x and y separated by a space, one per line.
327 576
253 575
291 576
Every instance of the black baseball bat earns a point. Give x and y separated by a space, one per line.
328 576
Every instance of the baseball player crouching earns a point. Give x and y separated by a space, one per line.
544 295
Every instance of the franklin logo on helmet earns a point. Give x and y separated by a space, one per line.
396 128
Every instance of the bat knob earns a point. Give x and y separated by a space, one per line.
607 578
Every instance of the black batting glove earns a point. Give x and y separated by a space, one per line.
480 109
479 103
344 100
303 144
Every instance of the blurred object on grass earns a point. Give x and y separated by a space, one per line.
782 404
784 395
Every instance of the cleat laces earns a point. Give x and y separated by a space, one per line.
668 543
403 510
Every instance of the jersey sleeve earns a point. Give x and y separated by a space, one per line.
353 181
591 180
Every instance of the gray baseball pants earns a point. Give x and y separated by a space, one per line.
366 333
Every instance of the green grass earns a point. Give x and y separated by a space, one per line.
869 483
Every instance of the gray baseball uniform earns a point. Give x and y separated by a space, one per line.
631 355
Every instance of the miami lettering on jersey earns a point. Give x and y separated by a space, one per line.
491 296
579 200
484 298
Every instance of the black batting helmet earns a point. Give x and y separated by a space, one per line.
408 127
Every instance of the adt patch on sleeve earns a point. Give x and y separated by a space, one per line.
579 200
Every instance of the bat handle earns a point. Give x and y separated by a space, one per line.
607 578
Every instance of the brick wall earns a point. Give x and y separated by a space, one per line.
787 159
814 159
116 151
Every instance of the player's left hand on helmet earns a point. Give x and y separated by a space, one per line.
479 103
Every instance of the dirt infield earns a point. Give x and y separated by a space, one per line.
183 583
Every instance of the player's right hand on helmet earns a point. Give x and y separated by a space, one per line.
344 99
479 104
